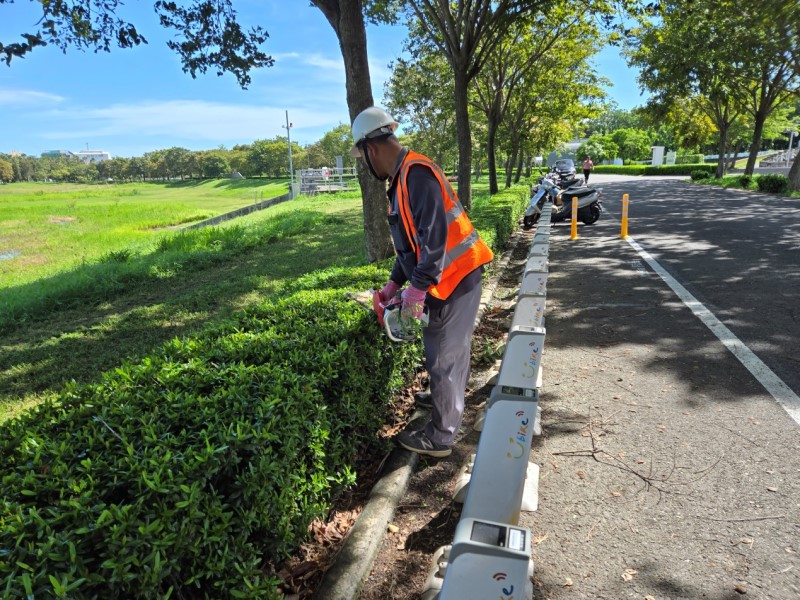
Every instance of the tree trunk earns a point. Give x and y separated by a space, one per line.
512 160
737 147
723 148
520 163
491 159
346 18
758 132
464 136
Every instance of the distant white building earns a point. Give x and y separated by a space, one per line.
87 156
93 156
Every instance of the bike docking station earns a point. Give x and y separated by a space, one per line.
490 556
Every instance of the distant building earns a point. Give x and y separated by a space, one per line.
87 156
56 153
93 156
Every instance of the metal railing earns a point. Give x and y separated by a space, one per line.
327 180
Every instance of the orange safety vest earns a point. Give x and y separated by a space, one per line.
465 251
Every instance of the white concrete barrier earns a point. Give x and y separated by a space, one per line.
488 561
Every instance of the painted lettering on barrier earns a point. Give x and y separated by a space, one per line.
506 591
533 362
518 442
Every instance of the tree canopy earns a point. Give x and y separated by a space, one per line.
207 34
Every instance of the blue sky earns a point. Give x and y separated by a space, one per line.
133 101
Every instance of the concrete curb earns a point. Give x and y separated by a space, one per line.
240 212
345 579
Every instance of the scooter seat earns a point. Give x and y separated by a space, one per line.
580 192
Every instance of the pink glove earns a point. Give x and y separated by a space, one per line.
413 302
388 291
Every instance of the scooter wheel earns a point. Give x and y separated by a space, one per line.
594 214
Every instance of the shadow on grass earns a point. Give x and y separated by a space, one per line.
80 342
229 184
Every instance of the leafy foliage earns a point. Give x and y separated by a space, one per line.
650 170
496 217
191 472
745 180
774 184
208 34
190 469
599 147
688 159
698 174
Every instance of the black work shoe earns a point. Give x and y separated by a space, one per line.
418 442
424 399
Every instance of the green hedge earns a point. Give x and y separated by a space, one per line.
620 169
497 217
193 472
649 170
773 183
186 473
679 169
689 159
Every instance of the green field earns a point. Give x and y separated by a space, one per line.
48 228
95 314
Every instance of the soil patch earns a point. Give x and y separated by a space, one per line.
61 220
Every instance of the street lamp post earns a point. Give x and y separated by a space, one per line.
288 127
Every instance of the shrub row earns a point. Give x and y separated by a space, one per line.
193 472
497 217
689 159
773 183
649 170
186 473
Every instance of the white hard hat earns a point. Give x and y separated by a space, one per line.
371 122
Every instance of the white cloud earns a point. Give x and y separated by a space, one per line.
27 97
189 120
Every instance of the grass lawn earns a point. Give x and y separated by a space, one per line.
75 324
48 228
733 181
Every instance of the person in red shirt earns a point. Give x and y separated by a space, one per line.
588 165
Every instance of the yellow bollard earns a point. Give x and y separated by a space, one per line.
574 233
624 232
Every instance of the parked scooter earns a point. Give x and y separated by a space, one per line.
590 205
564 175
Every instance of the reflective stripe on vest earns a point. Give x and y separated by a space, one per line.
465 251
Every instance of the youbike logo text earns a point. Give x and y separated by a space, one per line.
519 441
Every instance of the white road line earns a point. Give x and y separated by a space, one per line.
771 382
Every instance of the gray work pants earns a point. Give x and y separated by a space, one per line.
447 356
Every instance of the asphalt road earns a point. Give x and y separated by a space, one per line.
667 468
737 252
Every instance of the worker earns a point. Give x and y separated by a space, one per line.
441 257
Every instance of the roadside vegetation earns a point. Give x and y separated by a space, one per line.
209 408
771 184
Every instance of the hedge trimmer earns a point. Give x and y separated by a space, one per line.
398 327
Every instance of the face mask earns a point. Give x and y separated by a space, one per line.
365 154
